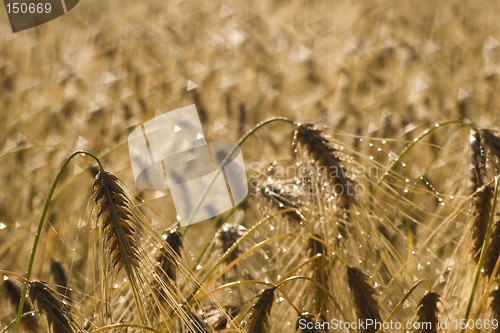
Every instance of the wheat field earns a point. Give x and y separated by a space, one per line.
369 131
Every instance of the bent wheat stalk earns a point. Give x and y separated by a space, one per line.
39 230
224 162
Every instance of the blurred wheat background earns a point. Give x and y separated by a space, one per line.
372 74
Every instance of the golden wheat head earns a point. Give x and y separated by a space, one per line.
428 313
364 296
57 313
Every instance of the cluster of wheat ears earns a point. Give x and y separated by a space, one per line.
325 253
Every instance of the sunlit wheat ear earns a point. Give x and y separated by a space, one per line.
227 236
57 313
493 251
118 221
60 277
260 312
113 211
428 313
280 199
306 320
166 261
13 293
481 218
479 163
313 141
364 296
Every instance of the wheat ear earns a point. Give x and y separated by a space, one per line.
118 221
428 313
57 313
478 162
364 296
13 293
260 311
313 141
481 219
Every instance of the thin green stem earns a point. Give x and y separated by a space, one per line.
224 162
483 254
39 231
408 148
